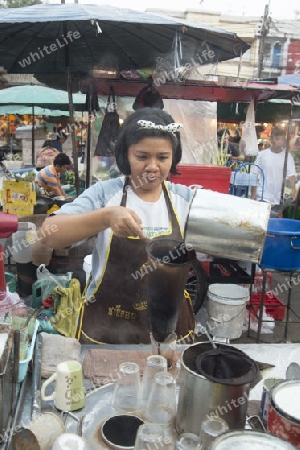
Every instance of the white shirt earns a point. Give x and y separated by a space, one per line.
272 165
154 216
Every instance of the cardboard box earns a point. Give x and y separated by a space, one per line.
19 197
20 210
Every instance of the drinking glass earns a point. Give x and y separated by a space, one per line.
150 436
210 429
126 396
166 348
155 364
161 406
188 441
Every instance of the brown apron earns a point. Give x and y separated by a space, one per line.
116 313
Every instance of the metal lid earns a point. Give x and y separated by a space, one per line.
249 440
285 399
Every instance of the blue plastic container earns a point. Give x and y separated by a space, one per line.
282 245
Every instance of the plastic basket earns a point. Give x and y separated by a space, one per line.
274 307
23 364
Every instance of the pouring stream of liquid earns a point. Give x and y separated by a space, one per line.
201 329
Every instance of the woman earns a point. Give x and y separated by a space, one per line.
49 177
123 212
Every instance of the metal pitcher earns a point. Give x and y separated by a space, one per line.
227 226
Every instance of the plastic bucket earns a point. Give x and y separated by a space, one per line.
282 245
87 266
226 310
22 243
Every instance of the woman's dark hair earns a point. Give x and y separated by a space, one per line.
131 133
61 160
60 133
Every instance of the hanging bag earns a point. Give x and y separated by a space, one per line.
148 96
109 129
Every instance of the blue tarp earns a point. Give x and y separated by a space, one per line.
292 79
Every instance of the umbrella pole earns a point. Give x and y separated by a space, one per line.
32 138
288 140
88 145
71 112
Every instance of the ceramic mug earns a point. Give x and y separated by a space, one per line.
69 392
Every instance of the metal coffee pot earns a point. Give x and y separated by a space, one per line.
226 226
214 382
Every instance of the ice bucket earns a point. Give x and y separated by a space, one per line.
226 226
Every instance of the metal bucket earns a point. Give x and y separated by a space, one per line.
202 396
227 226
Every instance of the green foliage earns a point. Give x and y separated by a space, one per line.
18 3
70 177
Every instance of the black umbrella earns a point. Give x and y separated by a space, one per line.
73 38
34 39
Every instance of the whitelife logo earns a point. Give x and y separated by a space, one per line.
48 49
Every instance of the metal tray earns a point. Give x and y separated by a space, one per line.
97 409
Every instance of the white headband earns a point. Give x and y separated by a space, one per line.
170 128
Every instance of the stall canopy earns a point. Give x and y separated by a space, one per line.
275 110
33 96
23 109
211 91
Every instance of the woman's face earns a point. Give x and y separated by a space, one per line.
150 162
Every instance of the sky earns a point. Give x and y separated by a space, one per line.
278 8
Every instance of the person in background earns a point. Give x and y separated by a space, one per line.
61 137
224 144
271 161
49 177
124 213
297 140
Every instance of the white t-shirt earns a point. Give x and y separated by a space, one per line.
154 216
272 165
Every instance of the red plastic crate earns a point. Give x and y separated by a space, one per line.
216 178
274 306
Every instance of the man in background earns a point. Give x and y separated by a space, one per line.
49 177
271 161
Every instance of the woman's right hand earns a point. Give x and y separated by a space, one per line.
124 222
